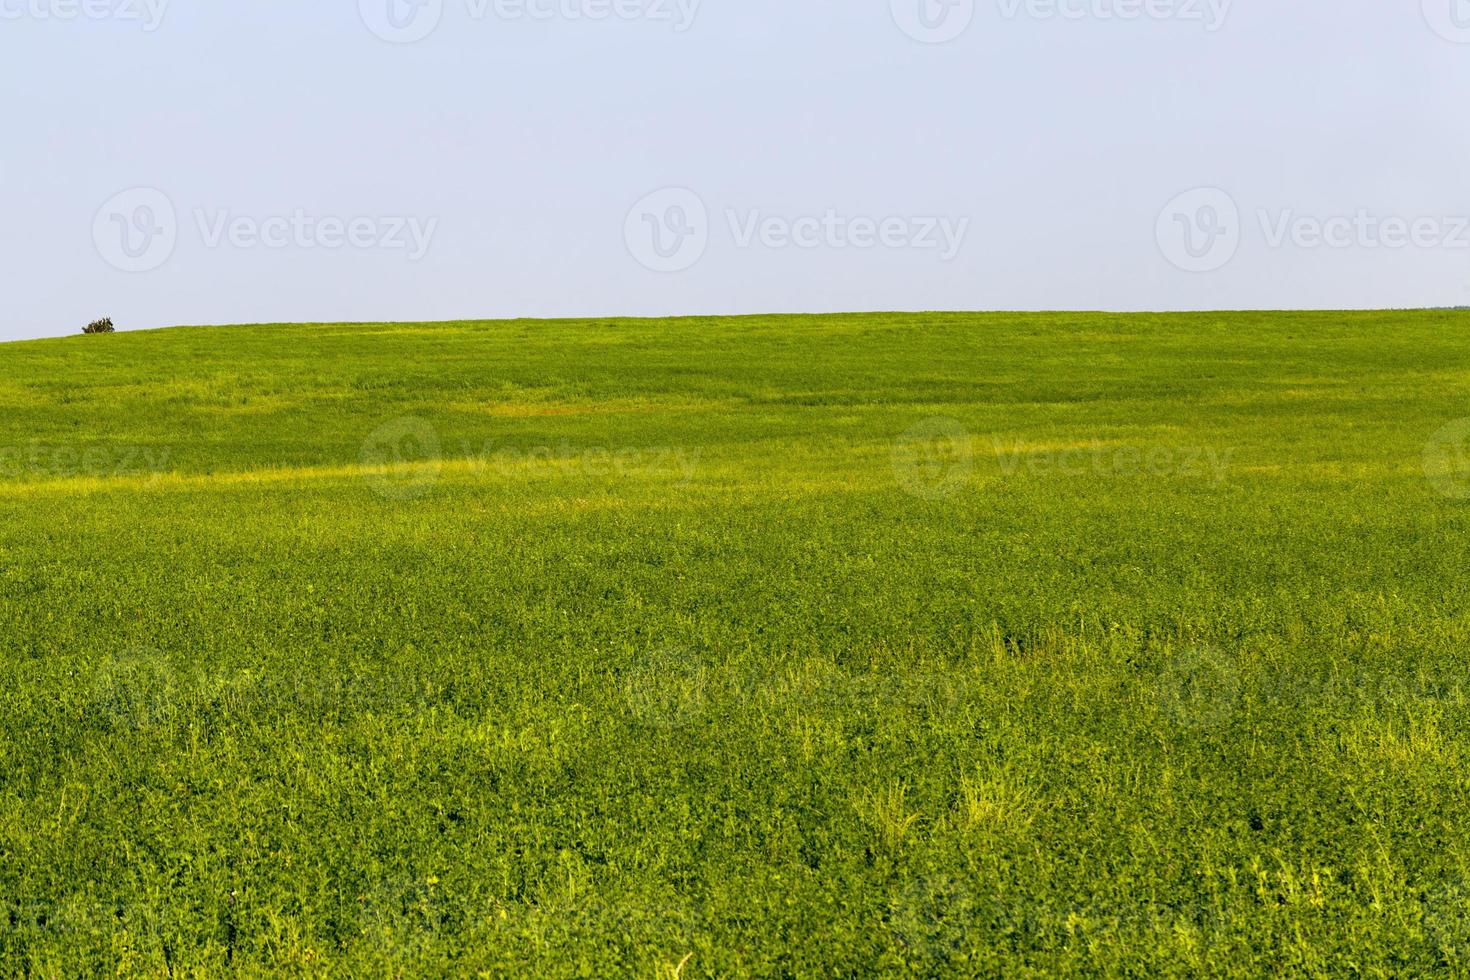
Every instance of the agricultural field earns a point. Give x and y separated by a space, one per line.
810 646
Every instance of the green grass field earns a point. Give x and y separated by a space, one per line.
931 645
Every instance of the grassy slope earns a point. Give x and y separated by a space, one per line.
590 716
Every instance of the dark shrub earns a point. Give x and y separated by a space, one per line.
103 325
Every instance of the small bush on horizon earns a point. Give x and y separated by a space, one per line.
103 325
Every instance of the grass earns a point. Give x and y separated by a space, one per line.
944 644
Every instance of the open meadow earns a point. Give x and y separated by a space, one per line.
803 646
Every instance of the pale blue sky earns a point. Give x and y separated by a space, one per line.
496 167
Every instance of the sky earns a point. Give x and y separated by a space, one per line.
172 162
